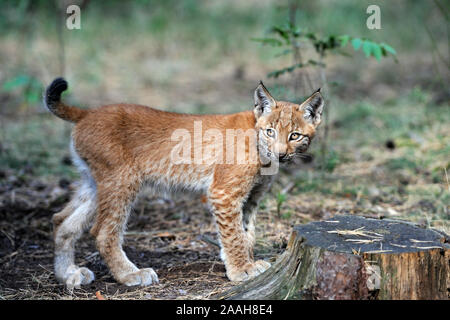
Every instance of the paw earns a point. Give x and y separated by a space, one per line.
249 271
79 276
142 277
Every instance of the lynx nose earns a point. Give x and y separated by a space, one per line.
281 156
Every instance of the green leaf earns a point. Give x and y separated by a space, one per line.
268 41
334 84
18 81
388 48
331 42
32 96
316 63
344 40
283 53
296 32
376 51
282 32
367 48
356 43
311 36
281 197
277 73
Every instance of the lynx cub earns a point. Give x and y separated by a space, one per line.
117 148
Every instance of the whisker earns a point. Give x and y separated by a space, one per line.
304 155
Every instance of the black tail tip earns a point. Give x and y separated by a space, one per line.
54 90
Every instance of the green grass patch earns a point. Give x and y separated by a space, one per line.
401 163
36 146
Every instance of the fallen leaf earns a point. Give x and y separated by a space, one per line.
99 296
166 234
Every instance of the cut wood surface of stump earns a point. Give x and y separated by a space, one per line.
352 257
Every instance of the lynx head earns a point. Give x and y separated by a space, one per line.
285 129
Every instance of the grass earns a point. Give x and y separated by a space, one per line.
36 146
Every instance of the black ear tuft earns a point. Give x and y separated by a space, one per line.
313 107
264 102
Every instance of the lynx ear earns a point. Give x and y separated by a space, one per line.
264 102
312 108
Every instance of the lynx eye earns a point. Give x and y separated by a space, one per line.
270 132
294 136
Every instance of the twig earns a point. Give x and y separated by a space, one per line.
446 176
378 251
326 115
357 232
419 241
398 245
288 188
59 30
151 233
297 56
207 239
364 241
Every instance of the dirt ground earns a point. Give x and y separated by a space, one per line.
176 236
168 235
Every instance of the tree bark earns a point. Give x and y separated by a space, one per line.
351 257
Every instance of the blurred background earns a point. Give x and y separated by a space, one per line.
383 149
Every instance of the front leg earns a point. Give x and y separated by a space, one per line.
250 207
227 200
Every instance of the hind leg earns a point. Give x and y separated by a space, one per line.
69 224
114 204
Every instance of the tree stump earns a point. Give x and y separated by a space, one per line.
352 257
